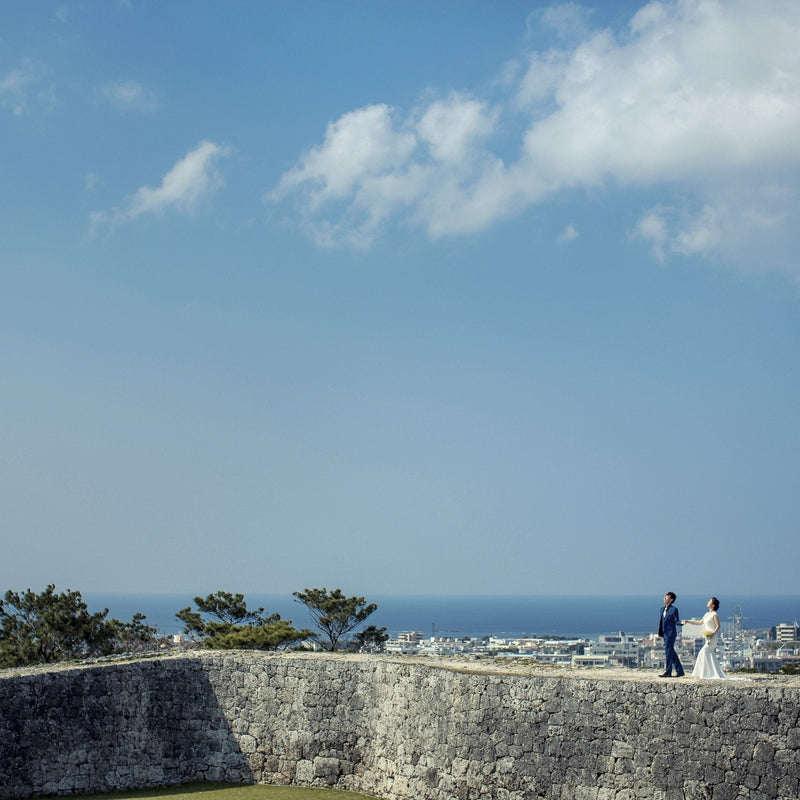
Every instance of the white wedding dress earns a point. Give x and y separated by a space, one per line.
707 664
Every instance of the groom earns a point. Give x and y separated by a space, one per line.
668 628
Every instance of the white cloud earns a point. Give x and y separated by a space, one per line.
452 128
129 96
190 181
652 228
543 74
569 21
696 98
569 234
359 145
18 88
750 228
15 81
430 167
698 89
92 181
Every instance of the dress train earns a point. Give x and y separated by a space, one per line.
707 664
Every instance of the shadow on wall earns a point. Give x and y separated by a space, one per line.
117 727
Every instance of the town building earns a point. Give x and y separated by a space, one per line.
787 633
620 650
737 648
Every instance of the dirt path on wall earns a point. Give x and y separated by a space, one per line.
471 664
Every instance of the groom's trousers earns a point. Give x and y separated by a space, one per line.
673 662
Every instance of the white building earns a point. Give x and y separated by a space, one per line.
588 660
408 643
621 650
411 637
787 633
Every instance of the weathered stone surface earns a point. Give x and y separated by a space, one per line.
395 730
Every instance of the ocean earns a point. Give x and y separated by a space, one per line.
476 615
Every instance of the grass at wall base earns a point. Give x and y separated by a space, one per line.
229 791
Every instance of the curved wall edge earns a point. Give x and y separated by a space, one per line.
395 730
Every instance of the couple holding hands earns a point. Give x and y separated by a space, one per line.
707 664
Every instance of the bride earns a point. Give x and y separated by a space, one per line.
707 664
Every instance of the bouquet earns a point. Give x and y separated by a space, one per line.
708 635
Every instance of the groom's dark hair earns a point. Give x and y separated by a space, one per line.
672 595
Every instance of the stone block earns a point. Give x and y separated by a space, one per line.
327 768
304 772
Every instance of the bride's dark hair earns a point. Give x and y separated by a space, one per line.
715 603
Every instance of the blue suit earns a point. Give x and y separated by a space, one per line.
668 628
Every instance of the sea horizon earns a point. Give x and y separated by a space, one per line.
458 615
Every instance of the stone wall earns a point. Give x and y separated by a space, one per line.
396 730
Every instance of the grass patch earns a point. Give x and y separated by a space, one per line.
229 791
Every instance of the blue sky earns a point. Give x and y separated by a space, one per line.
449 297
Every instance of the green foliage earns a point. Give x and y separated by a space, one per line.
134 635
333 613
49 627
232 608
222 621
372 638
256 637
